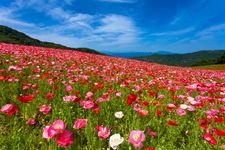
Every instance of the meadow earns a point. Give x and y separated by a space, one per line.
213 67
64 99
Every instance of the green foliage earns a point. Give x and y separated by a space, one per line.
8 35
220 60
204 63
188 59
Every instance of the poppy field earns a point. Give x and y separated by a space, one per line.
64 99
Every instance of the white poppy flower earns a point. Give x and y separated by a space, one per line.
119 114
183 106
115 140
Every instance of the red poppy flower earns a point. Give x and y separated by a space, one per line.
149 148
219 132
130 99
55 88
96 109
218 119
152 94
158 113
145 103
26 98
172 123
49 96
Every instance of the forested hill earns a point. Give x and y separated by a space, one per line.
9 35
188 59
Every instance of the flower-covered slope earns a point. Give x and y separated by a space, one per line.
53 98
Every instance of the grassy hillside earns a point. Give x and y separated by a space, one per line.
183 59
213 67
9 35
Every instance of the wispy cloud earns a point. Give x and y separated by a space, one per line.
211 30
6 18
117 27
13 22
119 1
172 33
175 20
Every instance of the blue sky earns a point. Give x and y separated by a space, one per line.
121 25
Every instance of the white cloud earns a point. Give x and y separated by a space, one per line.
58 13
118 29
173 33
211 30
80 20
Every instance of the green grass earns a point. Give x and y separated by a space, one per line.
213 67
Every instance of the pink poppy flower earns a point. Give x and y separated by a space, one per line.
143 112
151 133
100 99
161 96
80 123
31 121
191 108
45 109
48 133
209 138
136 138
69 88
137 88
103 132
222 109
12 68
118 94
65 139
87 104
212 112
59 126
70 98
89 95
181 112
9 109
137 107
171 106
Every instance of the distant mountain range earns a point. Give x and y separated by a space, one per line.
135 54
9 35
187 59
